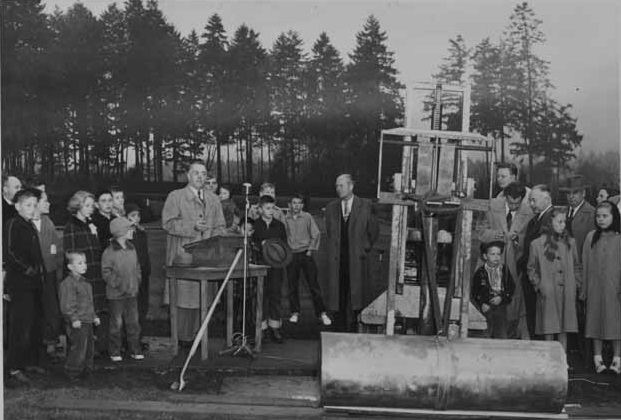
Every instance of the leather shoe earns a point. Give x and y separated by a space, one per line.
19 376
277 335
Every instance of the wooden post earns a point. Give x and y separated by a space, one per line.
229 313
204 304
174 335
465 245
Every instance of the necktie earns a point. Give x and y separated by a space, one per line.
346 210
200 196
570 218
509 219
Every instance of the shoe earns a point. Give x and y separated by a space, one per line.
295 317
137 356
277 335
599 364
616 365
19 376
326 319
116 358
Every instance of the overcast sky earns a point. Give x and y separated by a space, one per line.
582 39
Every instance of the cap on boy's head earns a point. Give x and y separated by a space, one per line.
265 199
131 207
119 226
487 245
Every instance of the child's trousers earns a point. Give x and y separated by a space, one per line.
497 323
81 349
25 329
124 311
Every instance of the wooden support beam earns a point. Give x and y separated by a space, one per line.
465 245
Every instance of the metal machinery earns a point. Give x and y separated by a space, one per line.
445 373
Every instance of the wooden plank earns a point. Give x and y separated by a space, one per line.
442 134
395 267
204 409
174 334
446 313
204 303
466 244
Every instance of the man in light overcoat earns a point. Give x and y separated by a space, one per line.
190 214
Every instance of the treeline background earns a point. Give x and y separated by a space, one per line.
123 96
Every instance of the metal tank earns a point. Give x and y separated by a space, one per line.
424 372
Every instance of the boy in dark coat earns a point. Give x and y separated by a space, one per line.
24 274
267 227
492 289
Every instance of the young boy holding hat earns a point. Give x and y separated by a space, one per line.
267 232
492 289
121 272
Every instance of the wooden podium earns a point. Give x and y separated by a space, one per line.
210 263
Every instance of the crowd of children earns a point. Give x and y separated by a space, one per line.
559 275
87 286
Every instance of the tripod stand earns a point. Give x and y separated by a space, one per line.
240 346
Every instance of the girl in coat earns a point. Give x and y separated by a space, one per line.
552 269
602 286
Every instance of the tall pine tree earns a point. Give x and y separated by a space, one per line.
374 101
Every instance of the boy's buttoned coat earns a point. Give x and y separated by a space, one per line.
363 230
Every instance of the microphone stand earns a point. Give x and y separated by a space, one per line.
240 344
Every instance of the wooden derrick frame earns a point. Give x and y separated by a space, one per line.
402 200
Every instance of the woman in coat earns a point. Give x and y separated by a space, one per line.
552 268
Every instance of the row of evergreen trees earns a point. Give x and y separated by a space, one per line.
81 93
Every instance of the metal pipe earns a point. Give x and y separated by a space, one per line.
422 372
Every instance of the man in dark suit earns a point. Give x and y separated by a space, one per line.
506 221
10 186
580 214
351 230
540 201
580 221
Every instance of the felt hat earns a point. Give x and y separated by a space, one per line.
276 252
119 226
574 183
486 245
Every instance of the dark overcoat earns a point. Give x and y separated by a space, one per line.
582 223
363 230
